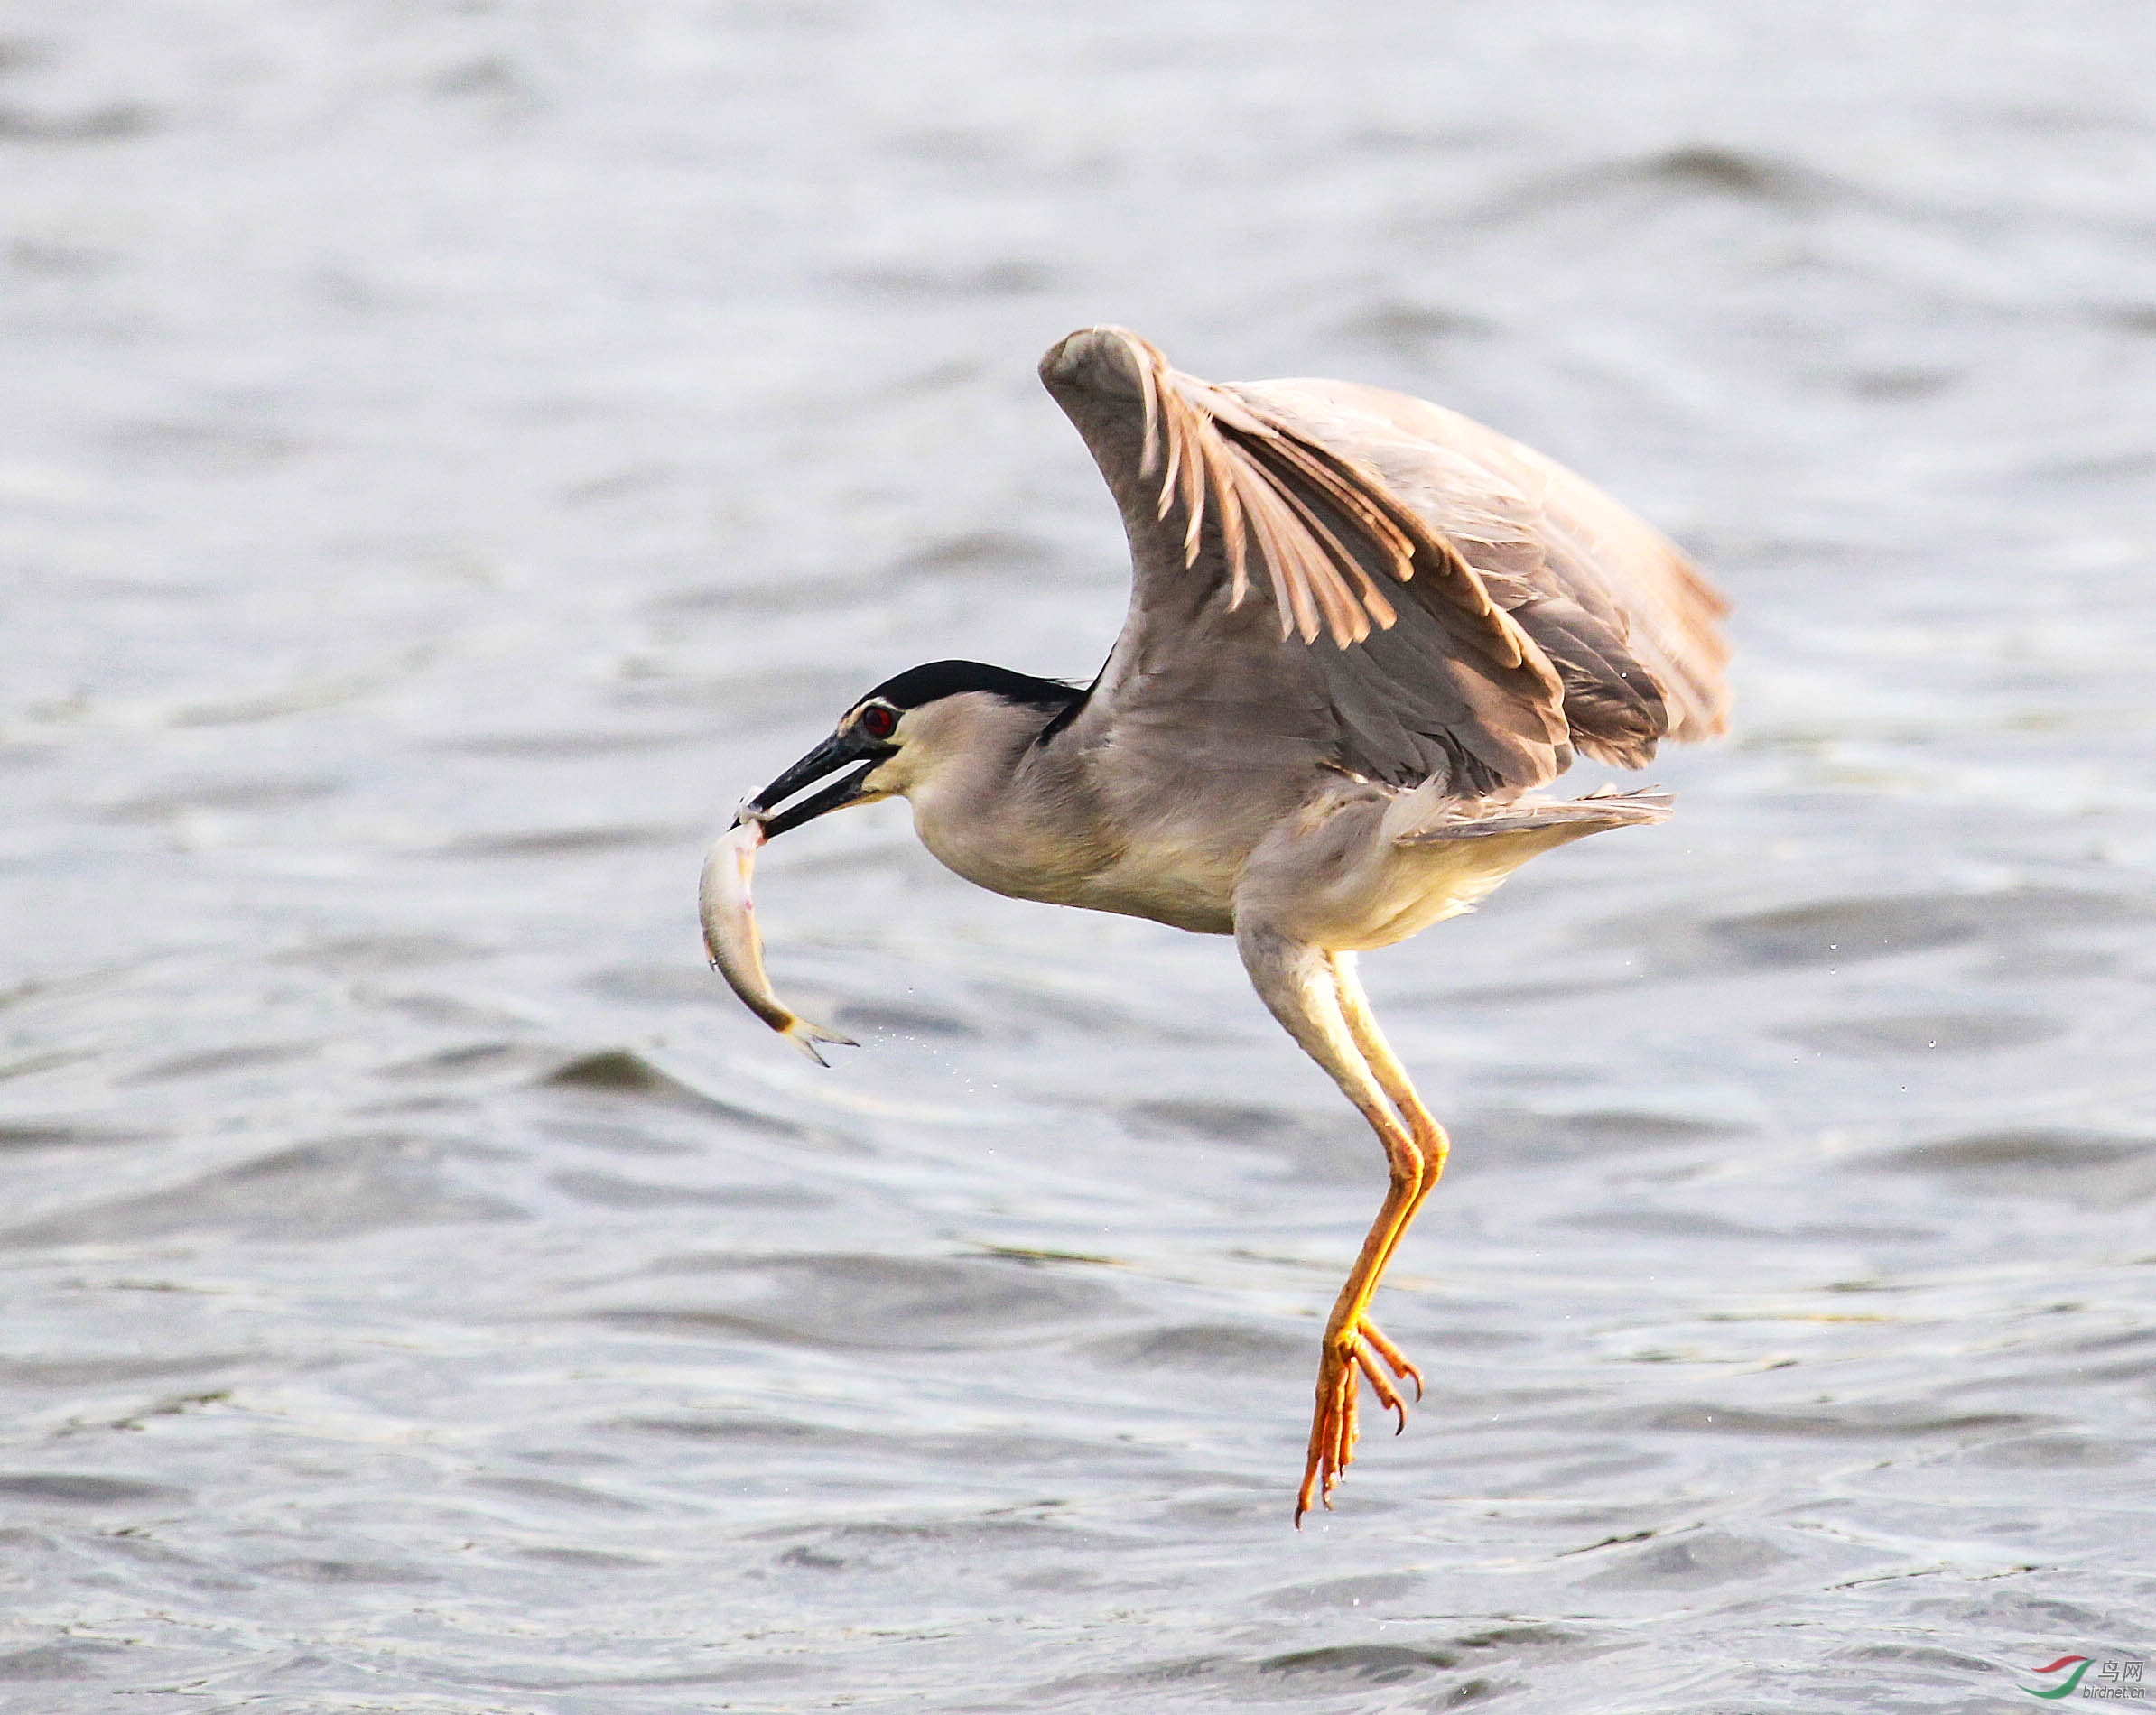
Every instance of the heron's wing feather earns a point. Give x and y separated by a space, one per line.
1624 617
1298 594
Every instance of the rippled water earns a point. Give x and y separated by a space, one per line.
451 453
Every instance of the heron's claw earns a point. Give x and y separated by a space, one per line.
1351 1356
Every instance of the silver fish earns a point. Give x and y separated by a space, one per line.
737 950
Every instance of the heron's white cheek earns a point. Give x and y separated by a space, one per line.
896 777
924 762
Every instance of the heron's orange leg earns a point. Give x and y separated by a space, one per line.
1353 1343
1307 992
1355 1351
1400 1090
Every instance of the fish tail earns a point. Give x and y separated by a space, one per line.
805 1037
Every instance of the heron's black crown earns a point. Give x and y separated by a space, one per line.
940 679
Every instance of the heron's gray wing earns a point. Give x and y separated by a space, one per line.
1251 540
1626 619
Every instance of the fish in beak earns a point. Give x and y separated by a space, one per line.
723 898
737 950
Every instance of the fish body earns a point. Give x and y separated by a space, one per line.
737 950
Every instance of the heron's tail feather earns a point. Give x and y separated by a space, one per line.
1605 807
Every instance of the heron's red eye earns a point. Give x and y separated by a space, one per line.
878 721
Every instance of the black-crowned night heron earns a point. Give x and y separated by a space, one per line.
1361 629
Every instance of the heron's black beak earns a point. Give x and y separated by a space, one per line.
834 753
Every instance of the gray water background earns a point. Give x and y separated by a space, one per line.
452 452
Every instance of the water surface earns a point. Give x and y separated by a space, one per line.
453 453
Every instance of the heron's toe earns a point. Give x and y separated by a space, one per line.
1392 1355
1332 1428
1352 1356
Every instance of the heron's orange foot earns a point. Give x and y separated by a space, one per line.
1356 1352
